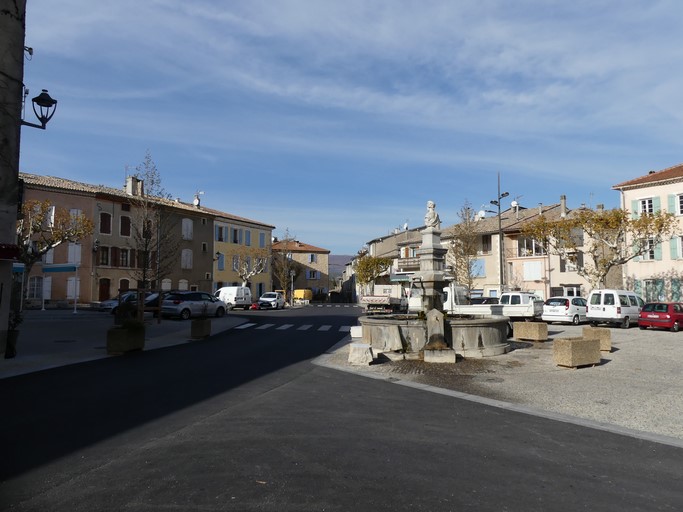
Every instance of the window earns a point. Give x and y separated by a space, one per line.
105 223
73 288
486 244
235 262
125 207
35 287
124 285
75 212
679 204
236 236
219 233
247 237
312 274
572 263
166 284
205 248
203 221
261 240
533 270
103 255
649 246
125 225
312 258
124 257
74 253
646 206
187 227
49 257
221 261
527 247
183 284
186 259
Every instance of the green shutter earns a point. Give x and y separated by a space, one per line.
634 209
673 247
635 248
658 252
671 199
676 290
656 204
638 287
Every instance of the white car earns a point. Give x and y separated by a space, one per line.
565 310
275 299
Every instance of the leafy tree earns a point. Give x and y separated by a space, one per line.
43 227
463 247
154 230
368 268
606 238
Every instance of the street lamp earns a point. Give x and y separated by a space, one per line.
44 108
291 289
501 245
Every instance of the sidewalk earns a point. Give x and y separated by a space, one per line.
60 337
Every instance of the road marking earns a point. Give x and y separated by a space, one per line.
265 326
345 328
245 326
325 328
304 327
284 327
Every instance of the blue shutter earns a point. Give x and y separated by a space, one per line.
675 290
658 252
638 287
656 204
634 209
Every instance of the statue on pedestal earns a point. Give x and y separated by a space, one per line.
432 219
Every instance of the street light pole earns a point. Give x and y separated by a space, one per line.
501 243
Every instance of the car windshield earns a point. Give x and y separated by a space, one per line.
269 296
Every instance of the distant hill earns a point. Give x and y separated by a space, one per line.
338 263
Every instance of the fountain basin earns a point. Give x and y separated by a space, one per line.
473 336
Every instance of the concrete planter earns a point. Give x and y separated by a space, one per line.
200 328
575 352
126 338
601 333
530 331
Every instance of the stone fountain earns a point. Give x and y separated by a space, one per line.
429 335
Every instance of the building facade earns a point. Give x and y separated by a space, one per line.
314 262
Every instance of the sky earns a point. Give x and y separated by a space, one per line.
337 121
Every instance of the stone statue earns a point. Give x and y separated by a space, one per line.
432 219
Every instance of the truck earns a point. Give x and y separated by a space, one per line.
385 298
515 305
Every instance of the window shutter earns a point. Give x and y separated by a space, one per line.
114 257
658 252
673 247
671 204
656 204
132 258
563 265
676 290
47 288
634 209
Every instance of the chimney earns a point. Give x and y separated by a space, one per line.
600 207
563 206
540 208
134 186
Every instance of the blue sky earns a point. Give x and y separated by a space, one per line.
339 119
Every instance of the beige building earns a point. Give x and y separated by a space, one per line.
314 261
110 260
658 274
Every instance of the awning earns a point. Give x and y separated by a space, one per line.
60 267
400 278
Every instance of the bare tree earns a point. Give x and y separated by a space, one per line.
153 227
249 261
285 269
463 247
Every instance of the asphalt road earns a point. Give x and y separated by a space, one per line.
244 421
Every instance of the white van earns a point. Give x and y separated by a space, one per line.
620 307
235 296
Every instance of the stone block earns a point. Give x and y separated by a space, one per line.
360 353
439 356
530 331
121 340
574 352
383 338
602 333
357 331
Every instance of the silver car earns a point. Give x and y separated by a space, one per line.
192 304
565 310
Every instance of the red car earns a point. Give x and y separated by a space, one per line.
667 315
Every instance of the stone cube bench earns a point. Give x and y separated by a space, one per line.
360 354
575 352
601 333
530 331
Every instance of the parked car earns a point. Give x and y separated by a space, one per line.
565 310
665 315
112 305
274 300
619 307
191 304
235 296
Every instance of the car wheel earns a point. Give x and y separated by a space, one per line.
626 323
576 320
185 314
675 327
220 312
